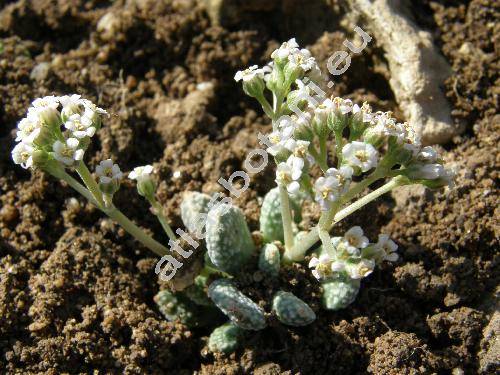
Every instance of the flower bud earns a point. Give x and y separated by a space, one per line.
44 138
146 186
303 130
432 175
40 158
373 136
356 126
337 122
50 116
110 188
320 127
254 87
297 99
397 153
419 171
292 72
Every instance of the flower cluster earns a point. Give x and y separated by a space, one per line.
56 128
330 150
353 256
364 141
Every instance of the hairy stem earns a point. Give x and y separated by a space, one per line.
136 231
158 211
377 174
112 212
323 151
268 110
89 181
318 158
326 241
286 216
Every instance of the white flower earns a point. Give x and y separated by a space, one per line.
71 104
297 165
360 154
108 172
322 266
354 240
386 125
141 173
302 59
91 109
50 101
46 110
80 126
23 154
249 74
28 129
387 248
338 266
322 110
343 176
411 139
344 106
285 49
67 153
287 126
300 154
361 269
278 140
427 154
92 112
298 148
286 177
365 110
326 191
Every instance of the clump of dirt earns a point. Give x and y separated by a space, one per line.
76 293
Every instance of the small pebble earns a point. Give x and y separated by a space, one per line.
9 213
40 72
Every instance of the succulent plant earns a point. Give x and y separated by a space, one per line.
197 292
194 204
340 293
176 307
291 310
229 242
270 260
349 146
240 309
225 339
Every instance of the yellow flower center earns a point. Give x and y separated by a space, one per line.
361 155
274 139
25 156
67 152
285 177
325 192
108 172
363 270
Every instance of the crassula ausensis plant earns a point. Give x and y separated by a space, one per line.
327 150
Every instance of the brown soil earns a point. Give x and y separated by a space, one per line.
76 293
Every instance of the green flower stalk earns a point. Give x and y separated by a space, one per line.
54 137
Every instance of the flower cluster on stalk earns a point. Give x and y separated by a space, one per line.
56 128
344 141
354 256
